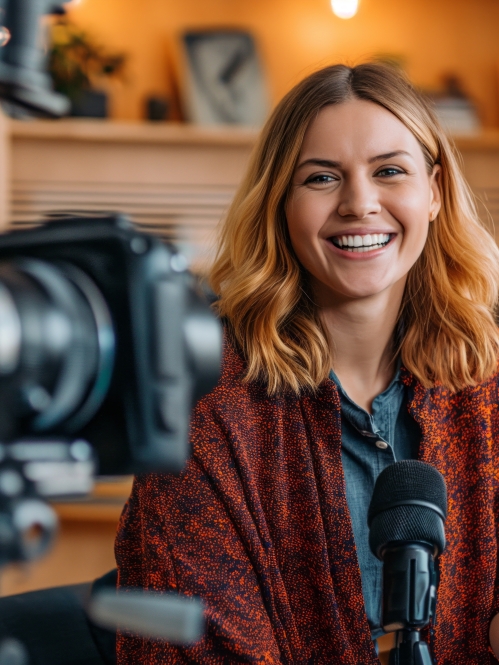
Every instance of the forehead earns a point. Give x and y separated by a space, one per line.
357 129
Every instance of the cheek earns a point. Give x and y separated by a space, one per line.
302 233
306 215
413 222
411 209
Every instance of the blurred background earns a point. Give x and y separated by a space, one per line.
432 40
167 98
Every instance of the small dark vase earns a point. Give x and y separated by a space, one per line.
157 108
89 104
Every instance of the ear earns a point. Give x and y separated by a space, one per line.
435 192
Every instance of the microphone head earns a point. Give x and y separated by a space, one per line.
409 503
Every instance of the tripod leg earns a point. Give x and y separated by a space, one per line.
409 650
402 655
422 654
393 660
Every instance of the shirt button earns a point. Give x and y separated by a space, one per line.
382 445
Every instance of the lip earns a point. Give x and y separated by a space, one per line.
359 256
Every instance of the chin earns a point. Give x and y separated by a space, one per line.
360 292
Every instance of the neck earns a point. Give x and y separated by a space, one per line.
361 333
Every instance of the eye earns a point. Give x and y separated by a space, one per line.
389 172
320 179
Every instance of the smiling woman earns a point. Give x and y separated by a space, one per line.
359 293
448 338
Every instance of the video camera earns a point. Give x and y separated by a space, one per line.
106 343
105 338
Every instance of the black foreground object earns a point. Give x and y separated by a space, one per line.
406 521
53 627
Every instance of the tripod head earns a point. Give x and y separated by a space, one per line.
23 80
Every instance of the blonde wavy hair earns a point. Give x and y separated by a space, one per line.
447 332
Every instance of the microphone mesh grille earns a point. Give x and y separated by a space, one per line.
410 479
405 481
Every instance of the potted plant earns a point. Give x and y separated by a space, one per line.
77 64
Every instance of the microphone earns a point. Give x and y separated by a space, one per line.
406 532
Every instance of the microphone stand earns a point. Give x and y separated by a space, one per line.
409 597
409 649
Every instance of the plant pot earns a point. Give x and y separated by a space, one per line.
90 104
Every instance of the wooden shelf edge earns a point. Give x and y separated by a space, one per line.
88 512
109 131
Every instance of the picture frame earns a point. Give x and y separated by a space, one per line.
223 81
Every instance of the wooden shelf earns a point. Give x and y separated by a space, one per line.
107 131
103 505
116 487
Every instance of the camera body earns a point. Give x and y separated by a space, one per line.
105 340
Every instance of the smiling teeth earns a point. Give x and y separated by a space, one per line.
362 243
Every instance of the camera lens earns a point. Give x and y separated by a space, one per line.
57 352
10 332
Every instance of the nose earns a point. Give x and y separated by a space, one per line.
358 198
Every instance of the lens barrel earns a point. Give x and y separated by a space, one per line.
57 344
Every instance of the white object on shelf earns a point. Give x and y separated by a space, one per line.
457 116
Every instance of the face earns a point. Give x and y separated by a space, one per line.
361 202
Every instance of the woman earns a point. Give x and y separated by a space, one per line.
358 290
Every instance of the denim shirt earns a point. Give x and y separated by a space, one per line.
370 443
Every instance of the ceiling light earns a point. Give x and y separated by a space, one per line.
345 8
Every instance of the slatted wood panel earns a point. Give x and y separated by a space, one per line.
176 183
488 207
480 159
182 214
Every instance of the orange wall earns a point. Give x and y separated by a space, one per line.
297 36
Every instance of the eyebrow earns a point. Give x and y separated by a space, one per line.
389 155
327 163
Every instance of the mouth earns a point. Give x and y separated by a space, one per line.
361 243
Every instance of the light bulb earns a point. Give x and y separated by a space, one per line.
345 8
